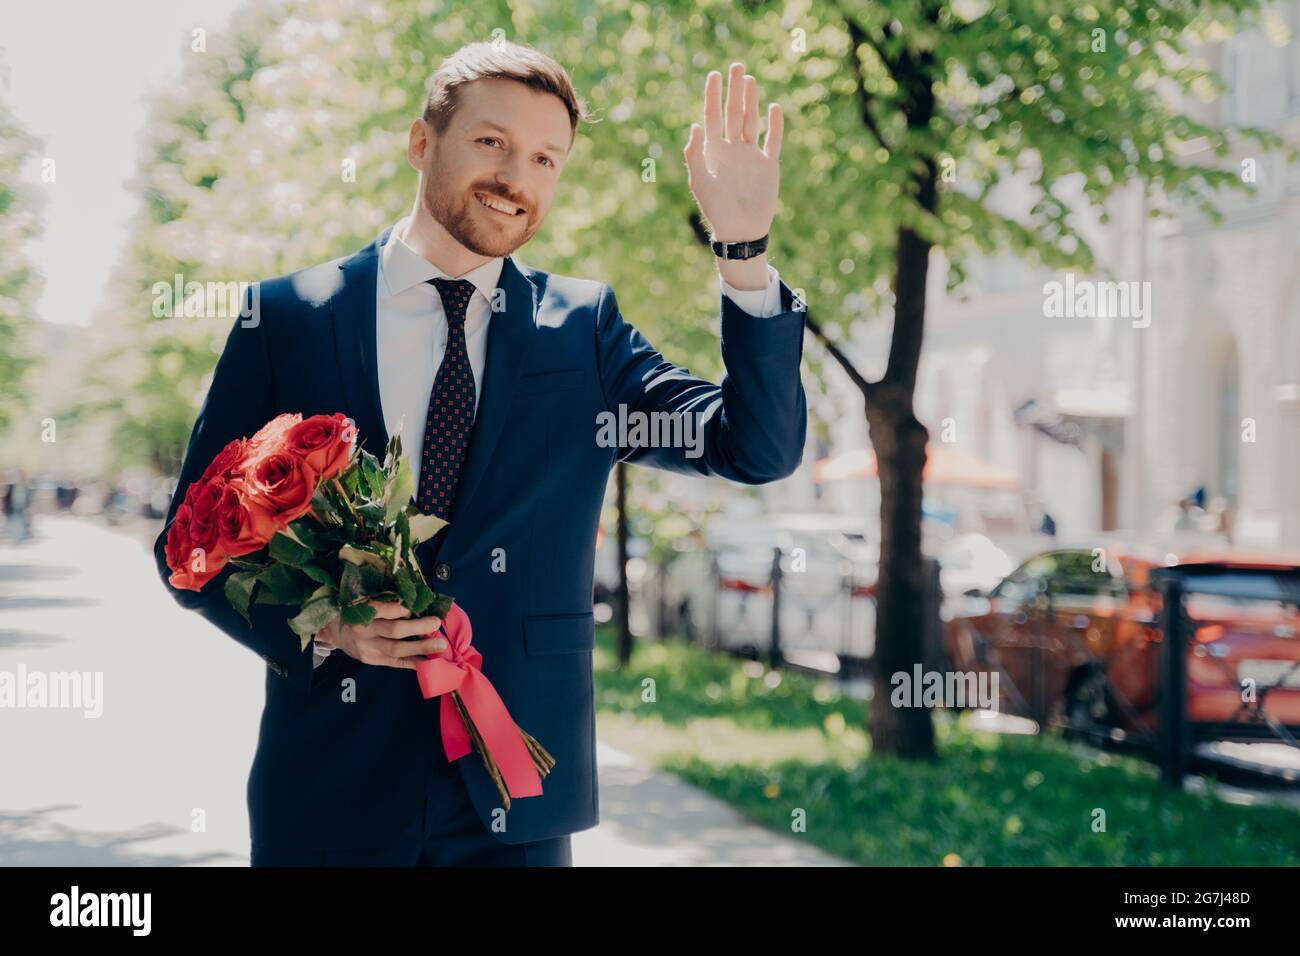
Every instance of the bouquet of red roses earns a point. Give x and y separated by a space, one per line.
313 521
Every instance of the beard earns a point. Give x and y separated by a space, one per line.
472 224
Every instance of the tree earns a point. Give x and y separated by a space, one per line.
950 99
19 284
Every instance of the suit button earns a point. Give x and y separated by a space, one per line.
441 571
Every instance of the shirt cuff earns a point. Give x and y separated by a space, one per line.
757 302
319 653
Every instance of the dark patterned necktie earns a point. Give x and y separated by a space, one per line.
451 407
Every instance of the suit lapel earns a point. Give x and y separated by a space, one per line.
353 315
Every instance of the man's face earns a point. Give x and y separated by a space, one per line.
506 144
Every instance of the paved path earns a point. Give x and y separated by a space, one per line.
158 777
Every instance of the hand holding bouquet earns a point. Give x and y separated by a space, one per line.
313 521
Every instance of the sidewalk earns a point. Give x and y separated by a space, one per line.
158 778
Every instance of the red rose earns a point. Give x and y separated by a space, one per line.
243 525
178 538
192 566
282 484
229 461
203 517
198 570
324 442
270 437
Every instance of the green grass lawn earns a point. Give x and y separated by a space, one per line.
783 747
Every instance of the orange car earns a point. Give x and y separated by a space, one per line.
1074 636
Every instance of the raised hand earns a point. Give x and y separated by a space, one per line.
734 182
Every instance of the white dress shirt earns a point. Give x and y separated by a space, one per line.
411 334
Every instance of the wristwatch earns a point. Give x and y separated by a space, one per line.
739 250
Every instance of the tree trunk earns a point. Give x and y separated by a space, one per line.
899 441
621 604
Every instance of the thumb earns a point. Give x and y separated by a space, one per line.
694 151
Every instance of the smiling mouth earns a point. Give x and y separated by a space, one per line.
498 206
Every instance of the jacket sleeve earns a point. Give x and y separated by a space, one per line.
750 429
239 402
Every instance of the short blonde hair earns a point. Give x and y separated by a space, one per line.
499 60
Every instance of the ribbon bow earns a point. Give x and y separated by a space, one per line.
457 669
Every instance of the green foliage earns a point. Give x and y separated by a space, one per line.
242 168
20 205
769 747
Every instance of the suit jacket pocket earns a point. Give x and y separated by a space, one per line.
560 633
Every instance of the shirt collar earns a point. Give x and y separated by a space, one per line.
403 268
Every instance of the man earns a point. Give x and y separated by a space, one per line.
496 376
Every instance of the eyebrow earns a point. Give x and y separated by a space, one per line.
501 129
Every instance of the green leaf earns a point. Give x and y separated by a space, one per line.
288 551
239 592
373 476
340 507
423 598
358 615
350 589
317 573
439 606
311 534
372 513
323 505
406 587
355 555
392 454
280 585
372 580
314 616
424 527
400 488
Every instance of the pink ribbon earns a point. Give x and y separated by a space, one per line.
457 669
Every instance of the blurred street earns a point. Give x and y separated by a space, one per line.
178 727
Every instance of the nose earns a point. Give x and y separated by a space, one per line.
508 178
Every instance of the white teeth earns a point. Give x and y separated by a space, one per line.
494 204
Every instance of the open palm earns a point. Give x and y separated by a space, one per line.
734 182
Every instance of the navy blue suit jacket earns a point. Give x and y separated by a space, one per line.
329 773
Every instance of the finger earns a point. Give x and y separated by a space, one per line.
775 127
735 101
749 123
430 645
374 651
408 627
388 610
694 153
713 106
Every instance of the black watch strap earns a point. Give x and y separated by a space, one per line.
739 250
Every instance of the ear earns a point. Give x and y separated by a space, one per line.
417 143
